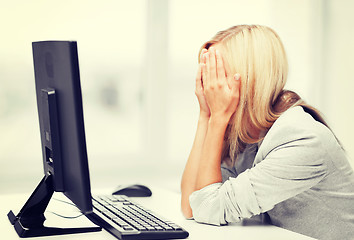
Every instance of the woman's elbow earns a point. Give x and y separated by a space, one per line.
207 209
186 209
203 205
187 213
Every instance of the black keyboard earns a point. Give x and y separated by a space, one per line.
128 220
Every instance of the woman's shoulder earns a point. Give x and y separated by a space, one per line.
296 120
297 117
296 125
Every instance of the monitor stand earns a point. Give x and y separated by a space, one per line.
29 221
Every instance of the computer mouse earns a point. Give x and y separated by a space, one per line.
133 190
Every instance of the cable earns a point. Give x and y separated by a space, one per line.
59 200
67 217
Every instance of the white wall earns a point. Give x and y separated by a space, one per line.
338 86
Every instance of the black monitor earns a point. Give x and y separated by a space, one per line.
62 132
57 77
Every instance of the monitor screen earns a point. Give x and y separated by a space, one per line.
60 110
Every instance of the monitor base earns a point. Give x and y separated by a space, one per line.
29 221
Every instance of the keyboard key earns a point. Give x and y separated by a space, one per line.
128 228
149 228
119 223
176 227
111 208
158 228
166 227
141 228
110 215
100 208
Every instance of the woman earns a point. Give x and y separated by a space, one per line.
261 149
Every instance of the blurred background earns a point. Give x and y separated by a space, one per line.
138 61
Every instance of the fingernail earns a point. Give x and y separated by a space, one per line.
237 76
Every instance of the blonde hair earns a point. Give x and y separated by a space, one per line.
257 54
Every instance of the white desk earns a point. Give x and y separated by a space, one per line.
163 202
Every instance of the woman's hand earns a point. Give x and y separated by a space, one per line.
199 90
221 90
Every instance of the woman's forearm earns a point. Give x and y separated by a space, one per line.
209 170
188 183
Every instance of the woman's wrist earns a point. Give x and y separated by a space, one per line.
219 120
203 116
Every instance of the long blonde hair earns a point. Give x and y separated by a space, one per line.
257 54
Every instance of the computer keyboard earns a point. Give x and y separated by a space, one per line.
128 220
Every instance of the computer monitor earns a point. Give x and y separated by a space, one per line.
57 76
62 132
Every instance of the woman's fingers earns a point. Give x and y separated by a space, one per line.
235 86
220 69
201 65
212 65
202 54
206 69
198 80
204 72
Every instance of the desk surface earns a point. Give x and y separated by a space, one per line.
163 202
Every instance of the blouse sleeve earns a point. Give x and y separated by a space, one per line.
294 166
